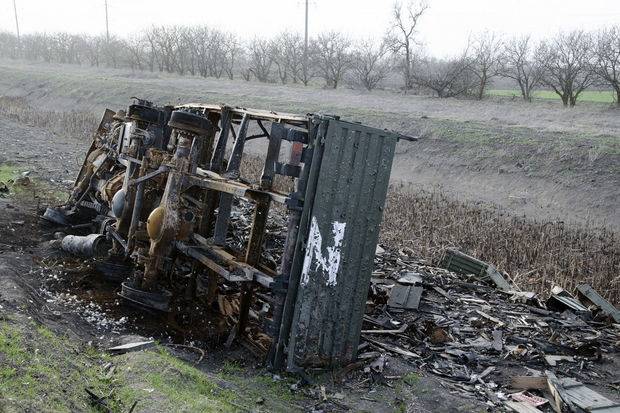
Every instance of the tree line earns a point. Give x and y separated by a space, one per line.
567 63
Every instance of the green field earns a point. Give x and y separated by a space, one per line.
599 96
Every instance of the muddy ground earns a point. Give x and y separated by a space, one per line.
536 159
58 316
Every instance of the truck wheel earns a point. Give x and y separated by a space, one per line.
190 122
143 113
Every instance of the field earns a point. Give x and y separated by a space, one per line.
531 188
598 96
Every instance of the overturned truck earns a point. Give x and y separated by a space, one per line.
160 189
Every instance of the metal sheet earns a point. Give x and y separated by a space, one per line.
344 214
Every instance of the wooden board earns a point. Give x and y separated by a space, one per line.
528 382
588 399
589 293
520 407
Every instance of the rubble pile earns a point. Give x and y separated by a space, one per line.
507 347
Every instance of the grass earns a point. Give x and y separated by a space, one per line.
9 172
411 378
42 371
500 137
46 372
597 96
35 189
170 384
183 387
261 387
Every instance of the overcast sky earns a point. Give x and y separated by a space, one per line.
444 29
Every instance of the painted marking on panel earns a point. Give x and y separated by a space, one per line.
314 253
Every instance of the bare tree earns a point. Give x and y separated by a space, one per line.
293 49
94 49
260 59
447 78
402 36
137 52
231 52
566 61
370 65
287 49
607 59
486 58
519 64
330 50
8 45
280 59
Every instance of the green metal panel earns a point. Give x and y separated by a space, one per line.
343 215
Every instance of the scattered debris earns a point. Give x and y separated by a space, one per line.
130 347
405 296
589 294
529 398
22 181
528 382
521 407
486 340
553 360
461 263
576 394
561 299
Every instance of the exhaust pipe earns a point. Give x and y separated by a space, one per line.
92 245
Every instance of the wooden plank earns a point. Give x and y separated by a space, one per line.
401 330
552 360
588 292
520 407
528 382
499 322
560 399
391 348
498 279
405 296
586 398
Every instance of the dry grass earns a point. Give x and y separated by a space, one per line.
536 255
74 123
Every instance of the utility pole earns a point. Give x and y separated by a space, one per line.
306 48
107 26
16 23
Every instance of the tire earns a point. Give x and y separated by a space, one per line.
143 113
189 122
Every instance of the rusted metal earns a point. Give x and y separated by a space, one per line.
156 183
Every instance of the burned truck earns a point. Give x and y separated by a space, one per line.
159 198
